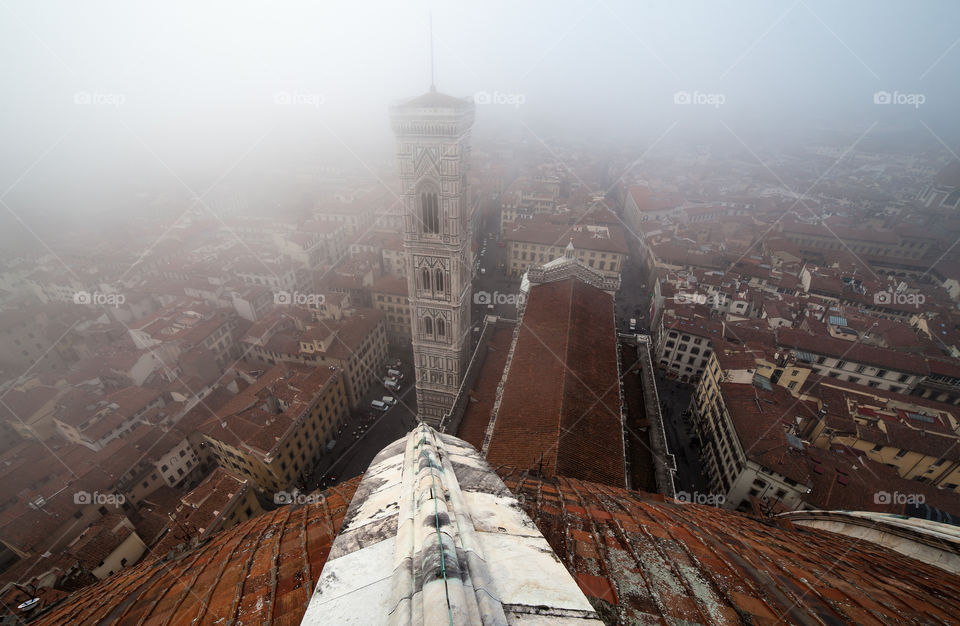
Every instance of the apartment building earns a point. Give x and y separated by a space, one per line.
275 430
185 326
389 295
684 347
871 366
87 417
534 242
919 438
356 344
223 500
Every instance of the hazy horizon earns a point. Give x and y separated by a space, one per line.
106 98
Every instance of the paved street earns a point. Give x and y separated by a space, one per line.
674 400
494 286
633 299
368 430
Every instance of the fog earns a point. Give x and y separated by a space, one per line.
103 100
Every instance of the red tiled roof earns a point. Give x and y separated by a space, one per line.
648 200
100 540
202 507
641 559
391 285
609 238
476 416
757 417
262 571
242 420
842 480
850 351
560 409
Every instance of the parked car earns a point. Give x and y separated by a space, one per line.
379 405
389 400
633 324
394 373
392 384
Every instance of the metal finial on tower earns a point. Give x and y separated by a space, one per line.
433 86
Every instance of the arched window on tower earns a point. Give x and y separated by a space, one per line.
427 326
426 278
441 328
439 281
430 212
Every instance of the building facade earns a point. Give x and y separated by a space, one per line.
433 149
390 296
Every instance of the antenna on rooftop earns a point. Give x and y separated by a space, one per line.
433 87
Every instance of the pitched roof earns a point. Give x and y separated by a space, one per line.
258 572
483 394
560 408
436 100
641 559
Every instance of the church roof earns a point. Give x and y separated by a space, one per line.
259 572
530 548
643 558
560 404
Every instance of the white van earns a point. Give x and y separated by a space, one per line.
391 383
395 374
379 405
389 400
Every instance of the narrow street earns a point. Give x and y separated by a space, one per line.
674 401
368 430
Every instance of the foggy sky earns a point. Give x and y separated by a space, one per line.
99 96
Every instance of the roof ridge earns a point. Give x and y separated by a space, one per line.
566 371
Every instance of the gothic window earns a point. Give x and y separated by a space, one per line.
430 213
427 326
439 281
426 278
440 328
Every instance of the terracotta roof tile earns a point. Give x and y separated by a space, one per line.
261 571
560 409
646 561
476 416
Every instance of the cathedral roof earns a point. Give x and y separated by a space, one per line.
528 548
434 537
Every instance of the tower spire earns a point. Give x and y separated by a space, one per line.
433 86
